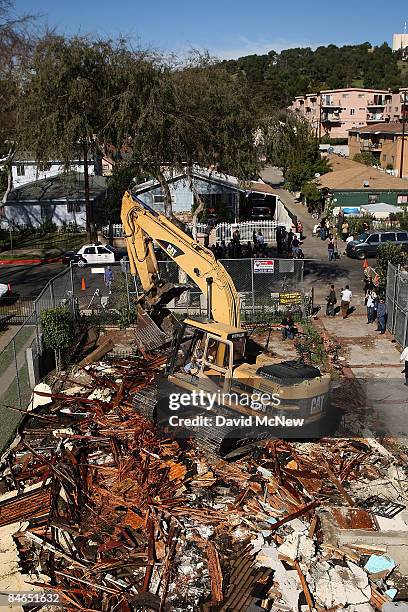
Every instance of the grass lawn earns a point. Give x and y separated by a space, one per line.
10 419
60 241
21 339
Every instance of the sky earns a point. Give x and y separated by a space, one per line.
226 28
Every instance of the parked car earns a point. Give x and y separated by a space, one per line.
3 290
261 213
93 254
368 244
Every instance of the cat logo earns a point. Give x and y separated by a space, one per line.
171 249
317 404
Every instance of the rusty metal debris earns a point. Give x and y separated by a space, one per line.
113 515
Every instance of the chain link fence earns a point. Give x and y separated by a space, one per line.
259 282
23 361
397 303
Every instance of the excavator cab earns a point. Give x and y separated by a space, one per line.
208 351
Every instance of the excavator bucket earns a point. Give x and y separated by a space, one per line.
148 335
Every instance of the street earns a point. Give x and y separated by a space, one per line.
28 281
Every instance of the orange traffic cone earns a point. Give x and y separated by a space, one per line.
365 264
83 285
9 288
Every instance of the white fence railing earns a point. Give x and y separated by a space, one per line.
117 230
223 231
246 229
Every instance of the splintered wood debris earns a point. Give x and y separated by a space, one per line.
113 515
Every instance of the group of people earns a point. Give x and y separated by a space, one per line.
289 242
328 232
376 307
345 300
235 249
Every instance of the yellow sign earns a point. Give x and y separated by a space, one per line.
290 298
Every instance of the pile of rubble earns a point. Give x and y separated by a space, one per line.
112 515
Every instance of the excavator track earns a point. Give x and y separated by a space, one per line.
214 442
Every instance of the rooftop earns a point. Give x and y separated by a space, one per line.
394 127
70 186
350 175
208 175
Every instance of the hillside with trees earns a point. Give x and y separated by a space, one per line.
276 78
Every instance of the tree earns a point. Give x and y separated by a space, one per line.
68 99
123 174
276 78
389 253
311 192
16 44
58 330
367 158
196 114
289 142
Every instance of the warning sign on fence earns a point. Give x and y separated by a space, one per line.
290 298
264 266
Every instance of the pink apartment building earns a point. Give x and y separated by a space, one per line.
333 112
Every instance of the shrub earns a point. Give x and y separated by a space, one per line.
392 253
366 158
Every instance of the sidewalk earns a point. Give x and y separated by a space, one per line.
373 360
321 273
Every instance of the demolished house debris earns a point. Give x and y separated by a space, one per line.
112 515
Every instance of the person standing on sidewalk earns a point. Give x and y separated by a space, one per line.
371 297
108 278
346 296
404 358
345 230
331 250
381 316
331 302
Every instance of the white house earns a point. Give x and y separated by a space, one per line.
26 170
226 198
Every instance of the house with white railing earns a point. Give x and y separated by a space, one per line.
225 197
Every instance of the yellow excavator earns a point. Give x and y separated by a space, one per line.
214 354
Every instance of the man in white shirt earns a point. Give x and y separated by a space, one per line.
404 358
346 296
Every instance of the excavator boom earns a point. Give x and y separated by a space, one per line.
143 226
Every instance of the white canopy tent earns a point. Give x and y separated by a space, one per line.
381 210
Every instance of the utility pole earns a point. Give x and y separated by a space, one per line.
403 135
320 117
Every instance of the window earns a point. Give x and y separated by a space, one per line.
73 207
372 239
158 199
373 198
402 198
89 251
388 237
103 251
402 236
352 111
361 95
20 170
46 214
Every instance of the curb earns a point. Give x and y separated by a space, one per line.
22 262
